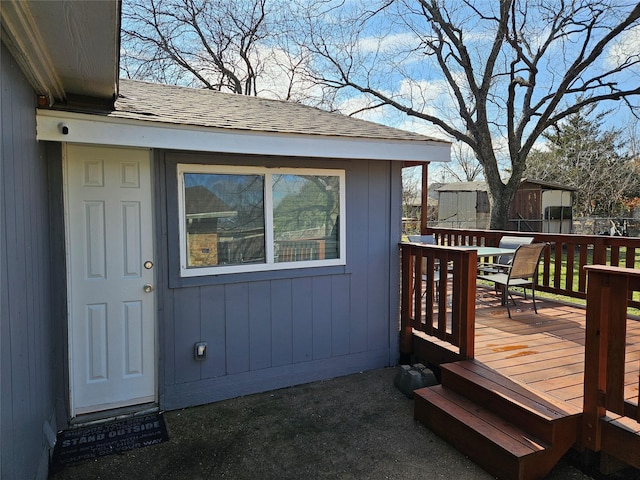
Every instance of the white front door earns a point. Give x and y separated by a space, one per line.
110 278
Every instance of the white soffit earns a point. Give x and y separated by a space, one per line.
104 130
65 47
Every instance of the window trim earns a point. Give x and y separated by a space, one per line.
270 264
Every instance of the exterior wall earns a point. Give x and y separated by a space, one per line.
557 198
527 210
27 419
526 203
269 330
463 209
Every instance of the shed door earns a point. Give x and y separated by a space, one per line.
110 276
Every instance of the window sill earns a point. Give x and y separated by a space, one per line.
175 281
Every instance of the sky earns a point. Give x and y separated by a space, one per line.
420 82
390 55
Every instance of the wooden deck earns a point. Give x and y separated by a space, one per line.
517 407
515 394
544 351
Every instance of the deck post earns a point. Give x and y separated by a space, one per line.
468 305
604 349
406 331
424 213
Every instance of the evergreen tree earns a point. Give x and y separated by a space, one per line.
584 155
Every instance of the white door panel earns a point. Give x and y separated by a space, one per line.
109 239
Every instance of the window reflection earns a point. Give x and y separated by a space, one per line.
306 211
224 219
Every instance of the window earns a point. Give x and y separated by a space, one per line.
243 219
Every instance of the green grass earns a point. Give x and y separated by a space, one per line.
576 268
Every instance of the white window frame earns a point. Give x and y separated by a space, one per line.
270 263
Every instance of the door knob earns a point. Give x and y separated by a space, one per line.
148 288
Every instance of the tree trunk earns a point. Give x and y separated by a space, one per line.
501 196
499 212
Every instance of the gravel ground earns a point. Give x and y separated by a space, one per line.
354 427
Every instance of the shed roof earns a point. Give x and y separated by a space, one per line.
548 185
464 187
484 187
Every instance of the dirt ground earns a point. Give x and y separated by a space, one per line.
354 427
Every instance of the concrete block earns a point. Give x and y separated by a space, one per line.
410 378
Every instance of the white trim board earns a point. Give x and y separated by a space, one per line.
115 131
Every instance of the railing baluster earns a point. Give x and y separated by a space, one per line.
570 267
582 274
406 333
417 295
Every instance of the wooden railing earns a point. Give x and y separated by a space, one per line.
562 271
604 373
438 295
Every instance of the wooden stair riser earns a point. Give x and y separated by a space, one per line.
504 426
621 442
510 411
542 417
482 450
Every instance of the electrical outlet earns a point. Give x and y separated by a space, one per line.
200 351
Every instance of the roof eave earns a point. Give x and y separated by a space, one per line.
65 48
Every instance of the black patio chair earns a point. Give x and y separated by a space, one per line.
523 272
501 266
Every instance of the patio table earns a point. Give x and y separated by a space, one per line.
490 251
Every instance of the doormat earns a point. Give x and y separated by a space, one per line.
112 437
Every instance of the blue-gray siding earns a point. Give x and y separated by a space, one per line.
26 332
270 330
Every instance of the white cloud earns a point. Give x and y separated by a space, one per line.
628 45
386 43
282 76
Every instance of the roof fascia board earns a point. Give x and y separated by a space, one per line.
21 35
106 130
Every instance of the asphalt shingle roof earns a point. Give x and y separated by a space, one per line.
199 107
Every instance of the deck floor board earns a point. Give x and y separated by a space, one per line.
545 351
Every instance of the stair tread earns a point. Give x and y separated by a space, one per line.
507 436
535 402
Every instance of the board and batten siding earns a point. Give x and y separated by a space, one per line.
268 330
27 367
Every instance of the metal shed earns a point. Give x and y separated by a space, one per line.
538 206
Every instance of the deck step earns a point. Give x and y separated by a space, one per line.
511 431
539 414
499 447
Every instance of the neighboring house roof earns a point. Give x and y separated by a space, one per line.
416 201
548 185
200 200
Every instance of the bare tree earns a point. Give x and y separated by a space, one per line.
493 75
228 45
215 44
464 166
